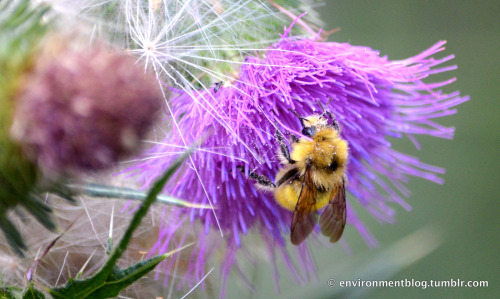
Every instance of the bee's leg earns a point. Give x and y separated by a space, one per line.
284 149
294 138
280 136
261 180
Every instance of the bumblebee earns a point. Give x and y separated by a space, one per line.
312 177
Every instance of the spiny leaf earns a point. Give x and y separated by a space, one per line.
10 292
110 279
119 279
122 278
32 293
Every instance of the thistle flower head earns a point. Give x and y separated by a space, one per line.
83 109
372 98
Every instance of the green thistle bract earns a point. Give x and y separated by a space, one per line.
21 28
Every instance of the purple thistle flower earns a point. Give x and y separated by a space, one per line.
372 97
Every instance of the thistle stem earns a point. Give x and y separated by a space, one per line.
98 190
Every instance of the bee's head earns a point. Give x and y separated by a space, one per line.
309 131
312 124
316 122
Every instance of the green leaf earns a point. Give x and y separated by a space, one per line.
110 280
32 293
12 235
10 293
122 278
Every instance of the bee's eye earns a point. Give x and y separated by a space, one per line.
308 131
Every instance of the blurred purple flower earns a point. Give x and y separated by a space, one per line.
83 109
372 98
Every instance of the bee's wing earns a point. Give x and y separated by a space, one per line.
333 218
304 218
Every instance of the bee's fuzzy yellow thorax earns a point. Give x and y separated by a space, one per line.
325 146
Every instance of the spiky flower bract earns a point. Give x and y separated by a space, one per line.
21 28
373 99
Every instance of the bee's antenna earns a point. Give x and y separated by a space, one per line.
325 112
322 108
300 117
295 113
335 123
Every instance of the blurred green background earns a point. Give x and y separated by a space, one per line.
463 214
465 210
